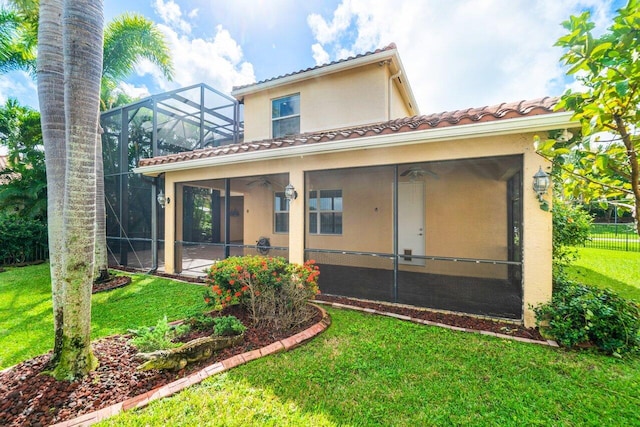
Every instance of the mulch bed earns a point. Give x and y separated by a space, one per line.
114 283
460 321
29 397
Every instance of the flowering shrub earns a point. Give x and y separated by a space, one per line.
274 291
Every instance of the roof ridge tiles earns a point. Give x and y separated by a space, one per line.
390 46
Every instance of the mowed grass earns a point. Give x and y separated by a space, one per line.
617 270
369 370
26 316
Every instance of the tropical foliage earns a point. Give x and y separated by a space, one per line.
24 190
128 39
21 239
571 228
602 163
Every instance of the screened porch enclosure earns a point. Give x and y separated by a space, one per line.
230 217
443 235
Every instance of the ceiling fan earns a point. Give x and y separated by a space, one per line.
262 181
417 172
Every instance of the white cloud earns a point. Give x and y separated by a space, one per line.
459 54
319 54
135 92
217 62
171 14
19 85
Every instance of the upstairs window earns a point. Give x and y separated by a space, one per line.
325 212
281 213
285 116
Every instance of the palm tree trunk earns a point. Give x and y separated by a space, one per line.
50 72
101 267
81 37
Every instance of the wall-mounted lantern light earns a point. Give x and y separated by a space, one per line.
290 192
541 183
162 200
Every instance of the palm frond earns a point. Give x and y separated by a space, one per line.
130 38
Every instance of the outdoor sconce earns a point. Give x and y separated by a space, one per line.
290 192
162 200
541 183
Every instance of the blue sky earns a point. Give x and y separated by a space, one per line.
457 53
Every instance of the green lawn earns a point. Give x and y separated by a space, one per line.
364 370
617 270
26 317
369 370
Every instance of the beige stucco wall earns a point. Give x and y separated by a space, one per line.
485 202
349 98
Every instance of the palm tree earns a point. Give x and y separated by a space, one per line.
18 37
69 96
128 39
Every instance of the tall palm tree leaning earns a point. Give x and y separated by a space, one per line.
69 65
128 39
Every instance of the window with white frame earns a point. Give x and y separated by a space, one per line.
325 212
285 116
281 213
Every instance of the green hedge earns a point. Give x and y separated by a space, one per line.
22 240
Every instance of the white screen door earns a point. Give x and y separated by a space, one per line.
411 207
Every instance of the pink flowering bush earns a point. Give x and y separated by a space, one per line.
273 291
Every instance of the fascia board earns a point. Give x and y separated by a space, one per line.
323 70
476 130
406 84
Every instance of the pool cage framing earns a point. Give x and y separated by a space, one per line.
181 120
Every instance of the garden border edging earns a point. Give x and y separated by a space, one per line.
550 343
197 377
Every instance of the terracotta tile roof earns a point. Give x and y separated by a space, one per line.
383 49
502 111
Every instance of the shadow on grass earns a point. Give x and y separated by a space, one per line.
592 277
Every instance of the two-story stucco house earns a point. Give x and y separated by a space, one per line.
337 165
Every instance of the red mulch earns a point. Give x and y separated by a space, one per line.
460 321
29 397
114 283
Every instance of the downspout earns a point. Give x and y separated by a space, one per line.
394 76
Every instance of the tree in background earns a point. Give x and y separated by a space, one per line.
69 70
602 163
19 36
25 192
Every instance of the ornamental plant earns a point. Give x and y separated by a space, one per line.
571 228
272 290
227 326
159 337
583 316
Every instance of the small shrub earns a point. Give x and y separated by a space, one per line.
227 326
273 291
585 315
201 322
159 337
571 227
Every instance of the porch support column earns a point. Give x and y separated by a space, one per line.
169 225
296 217
537 235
